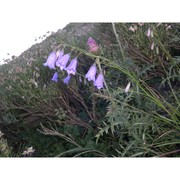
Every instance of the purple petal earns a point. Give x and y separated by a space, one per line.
62 61
66 80
60 54
91 42
91 73
51 60
99 81
71 69
93 46
55 77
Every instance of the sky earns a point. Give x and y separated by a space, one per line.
23 21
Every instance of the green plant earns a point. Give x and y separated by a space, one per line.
78 120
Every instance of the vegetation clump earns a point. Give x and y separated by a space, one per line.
94 90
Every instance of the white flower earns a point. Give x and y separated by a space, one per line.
133 29
168 27
157 50
152 46
148 32
127 87
28 151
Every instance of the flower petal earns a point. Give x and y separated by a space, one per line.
71 69
66 80
62 61
99 81
127 87
55 77
51 60
91 73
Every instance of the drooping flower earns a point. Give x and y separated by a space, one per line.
55 77
91 73
127 87
71 69
148 32
99 81
62 61
157 50
66 80
93 46
51 60
152 46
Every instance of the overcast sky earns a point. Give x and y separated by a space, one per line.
23 21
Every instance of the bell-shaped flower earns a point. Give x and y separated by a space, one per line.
152 46
93 46
51 60
99 81
91 73
148 32
55 77
62 61
127 87
66 80
60 54
71 69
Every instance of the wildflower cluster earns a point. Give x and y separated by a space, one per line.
91 76
150 33
60 60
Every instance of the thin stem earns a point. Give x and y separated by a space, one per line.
119 43
172 152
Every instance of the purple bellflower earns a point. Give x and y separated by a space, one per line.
93 47
91 73
60 54
99 81
66 80
62 61
71 69
55 77
51 60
